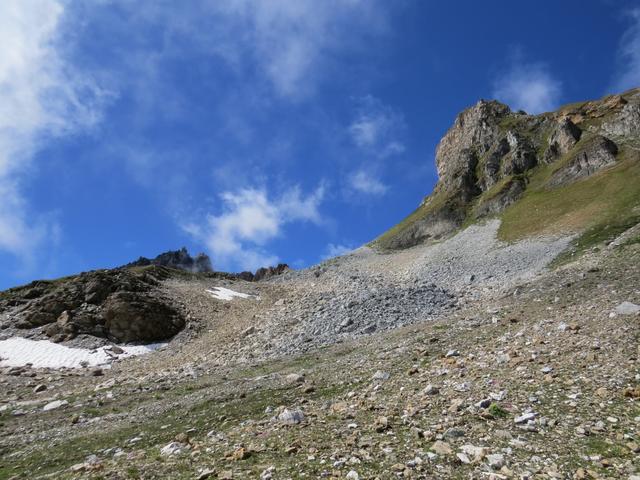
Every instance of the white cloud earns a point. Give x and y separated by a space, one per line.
528 86
41 96
335 250
365 182
250 219
629 55
377 128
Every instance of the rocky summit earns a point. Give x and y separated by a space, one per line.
493 333
178 259
492 157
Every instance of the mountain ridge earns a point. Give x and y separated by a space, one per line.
491 158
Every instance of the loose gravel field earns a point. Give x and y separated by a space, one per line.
464 359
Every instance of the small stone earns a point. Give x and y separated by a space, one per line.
441 448
248 331
495 460
477 453
380 376
463 458
452 353
291 417
353 475
294 378
97 372
116 349
453 433
631 392
627 308
206 474
633 446
240 454
580 474
173 448
267 474
54 405
431 390
381 424
525 417
39 388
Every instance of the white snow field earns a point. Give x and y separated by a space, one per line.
222 293
18 351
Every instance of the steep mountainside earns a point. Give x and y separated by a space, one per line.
566 171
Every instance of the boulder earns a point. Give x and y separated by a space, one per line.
131 317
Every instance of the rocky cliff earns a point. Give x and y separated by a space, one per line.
491 157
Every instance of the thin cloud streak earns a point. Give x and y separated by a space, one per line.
528 86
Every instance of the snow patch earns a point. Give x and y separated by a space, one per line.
222 293
18 351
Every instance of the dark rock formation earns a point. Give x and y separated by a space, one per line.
120 304
594 155
263 273
179 259
268 272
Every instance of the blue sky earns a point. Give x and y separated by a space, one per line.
261 131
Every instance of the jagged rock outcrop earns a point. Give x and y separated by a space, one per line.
179 259
263 273
487 158
597 153
121 305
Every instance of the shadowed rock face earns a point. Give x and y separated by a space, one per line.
600 152
485 159
179 259
120 304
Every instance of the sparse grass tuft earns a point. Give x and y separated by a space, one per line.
497 411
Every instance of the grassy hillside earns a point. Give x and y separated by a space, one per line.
600 206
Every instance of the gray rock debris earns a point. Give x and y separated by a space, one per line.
627 308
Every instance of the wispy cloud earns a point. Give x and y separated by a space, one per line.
628 75
42 97
365 182
238 236
527 86
377 128
335 250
